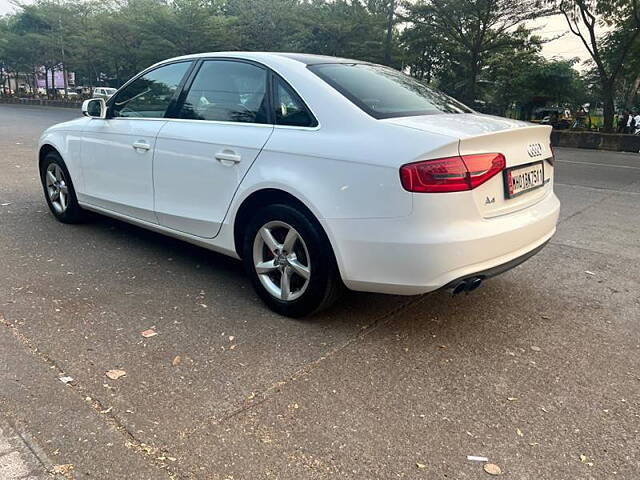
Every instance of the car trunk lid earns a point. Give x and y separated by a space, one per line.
521 143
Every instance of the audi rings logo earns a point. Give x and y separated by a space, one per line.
534 150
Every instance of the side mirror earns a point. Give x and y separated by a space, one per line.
94 108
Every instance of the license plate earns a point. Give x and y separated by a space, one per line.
523 178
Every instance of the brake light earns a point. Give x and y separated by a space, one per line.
453 174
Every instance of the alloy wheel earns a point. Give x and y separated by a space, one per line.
57 188
281 260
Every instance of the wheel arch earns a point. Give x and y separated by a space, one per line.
46 149
270 196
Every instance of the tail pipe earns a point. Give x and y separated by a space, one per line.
467 285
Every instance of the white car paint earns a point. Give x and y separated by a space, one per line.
117 176
197 204
345 170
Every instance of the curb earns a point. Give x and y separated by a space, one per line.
33 455
39 102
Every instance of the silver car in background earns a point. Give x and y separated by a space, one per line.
103 92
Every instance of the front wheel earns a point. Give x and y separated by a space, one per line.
59 191
290 261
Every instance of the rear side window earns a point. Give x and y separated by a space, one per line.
289 108
383 92
150 95
227 91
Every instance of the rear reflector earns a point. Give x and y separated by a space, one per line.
453 174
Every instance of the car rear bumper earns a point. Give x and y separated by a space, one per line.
498 269
426 251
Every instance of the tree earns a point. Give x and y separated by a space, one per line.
463 47
424 51
583 17
342 28
389 35
475 29
629 78
528 81
509 74
4 33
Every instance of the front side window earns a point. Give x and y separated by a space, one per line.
149 96
289 109
383 92
227 91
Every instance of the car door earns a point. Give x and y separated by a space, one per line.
222 123
117 152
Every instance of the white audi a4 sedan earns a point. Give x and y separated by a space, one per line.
317 172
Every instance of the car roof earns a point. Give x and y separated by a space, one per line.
311 59
304 58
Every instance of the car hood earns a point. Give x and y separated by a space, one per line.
458 125
75 124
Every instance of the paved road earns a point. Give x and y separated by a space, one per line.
539 370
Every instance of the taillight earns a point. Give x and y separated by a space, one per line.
454 174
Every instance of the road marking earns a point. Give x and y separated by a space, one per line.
599 164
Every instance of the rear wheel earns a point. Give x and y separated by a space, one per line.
290 261
59 191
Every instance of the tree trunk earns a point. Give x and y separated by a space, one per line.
35 81
470 93
631 93
46 81
66 80
389 37
609 107
53 81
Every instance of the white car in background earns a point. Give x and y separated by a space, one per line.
317 172
104 92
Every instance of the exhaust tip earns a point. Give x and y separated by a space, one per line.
472 284
458 288
467 285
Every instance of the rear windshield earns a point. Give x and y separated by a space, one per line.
383 92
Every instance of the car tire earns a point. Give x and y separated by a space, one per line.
290 261
59 191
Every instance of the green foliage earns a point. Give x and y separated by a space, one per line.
527 81
609 52
109 41
477 50
471 32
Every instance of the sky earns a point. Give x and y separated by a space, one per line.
566 47
5 7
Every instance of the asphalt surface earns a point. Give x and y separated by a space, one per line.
538 370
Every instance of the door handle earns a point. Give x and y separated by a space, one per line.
140 145
228 157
